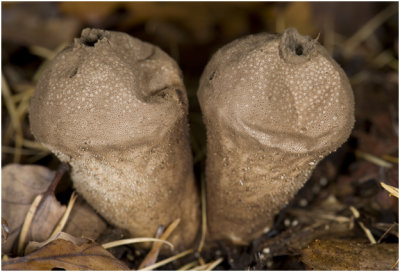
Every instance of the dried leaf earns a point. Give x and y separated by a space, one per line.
84 221
32 246
38 25
349 255
46 218
68 253
4 230
20 185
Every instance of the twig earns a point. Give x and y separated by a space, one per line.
37 202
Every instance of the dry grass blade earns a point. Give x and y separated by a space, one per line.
391 189
188 266
153 254
38 156
366 31
371 158
27 223
35 145
14 118
208 266
11 150
390 158
203 215
386 232
24 92
395 264
168 260
367 232
23 106
214 264
42 52
64 219
134 241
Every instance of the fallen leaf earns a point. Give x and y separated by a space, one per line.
4 230
66 252
39 27
84 221
46 218
349 255
20 185
32 246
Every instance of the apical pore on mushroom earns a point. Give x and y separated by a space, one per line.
274 106
115 109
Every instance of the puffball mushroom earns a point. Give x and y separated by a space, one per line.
115 109
274 106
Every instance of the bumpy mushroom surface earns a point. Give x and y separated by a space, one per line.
115 108
274 106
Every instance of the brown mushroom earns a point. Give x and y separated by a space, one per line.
274 106
115 108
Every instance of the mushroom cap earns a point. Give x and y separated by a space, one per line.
107 90
284 91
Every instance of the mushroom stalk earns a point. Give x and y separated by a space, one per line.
274 106
115 109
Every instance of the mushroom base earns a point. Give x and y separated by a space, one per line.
248 184
141 188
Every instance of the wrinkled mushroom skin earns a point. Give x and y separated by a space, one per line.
115 108
274 106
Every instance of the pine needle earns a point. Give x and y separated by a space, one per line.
366 31
367 232
15 121
371 158
214 264
188 266
153 254
134 241
27 222
391 189
35 145
208 266
168 260
203 215
390 159
66 214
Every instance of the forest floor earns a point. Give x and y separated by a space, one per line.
344 218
